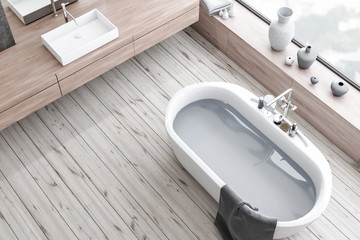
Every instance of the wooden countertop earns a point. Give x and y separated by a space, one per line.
28 67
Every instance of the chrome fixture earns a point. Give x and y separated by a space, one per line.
278 118
66 13
261 102
287 102
269 103
53 8
293 130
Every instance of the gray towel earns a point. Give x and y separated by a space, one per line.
238 220
6 37
214 6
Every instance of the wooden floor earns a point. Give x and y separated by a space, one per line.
96 164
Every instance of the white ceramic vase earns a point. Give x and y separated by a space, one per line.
281 31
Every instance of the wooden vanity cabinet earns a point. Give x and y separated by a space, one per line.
96 68
31 77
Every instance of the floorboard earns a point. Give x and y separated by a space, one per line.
97 163
99 160
50 179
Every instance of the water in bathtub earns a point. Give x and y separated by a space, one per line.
260 172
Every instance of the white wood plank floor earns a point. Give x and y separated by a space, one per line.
96 164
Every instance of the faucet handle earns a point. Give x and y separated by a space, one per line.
292 107
64 4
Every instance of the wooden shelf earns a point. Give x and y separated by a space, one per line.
28 68
244 39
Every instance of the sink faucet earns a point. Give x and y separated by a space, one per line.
53 8
66 13
287 102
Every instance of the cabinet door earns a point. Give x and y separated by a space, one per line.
29 106
18 83
96 68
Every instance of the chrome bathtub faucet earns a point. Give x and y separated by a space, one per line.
287 102
66 13
287 106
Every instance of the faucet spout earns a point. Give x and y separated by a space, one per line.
53 8
67 13
290 90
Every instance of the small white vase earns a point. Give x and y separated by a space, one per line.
339 88
306 56
281 31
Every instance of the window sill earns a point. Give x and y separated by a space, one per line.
244 39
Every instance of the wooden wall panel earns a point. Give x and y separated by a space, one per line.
253 62
326 121
212 30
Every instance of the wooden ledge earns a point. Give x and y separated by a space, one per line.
244 39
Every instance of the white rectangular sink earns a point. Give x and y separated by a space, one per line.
70 41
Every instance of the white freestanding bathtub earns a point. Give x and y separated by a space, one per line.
221 137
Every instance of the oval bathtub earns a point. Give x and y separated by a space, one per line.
220 136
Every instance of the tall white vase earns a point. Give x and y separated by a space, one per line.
281 31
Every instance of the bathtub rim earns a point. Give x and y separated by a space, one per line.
183 98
